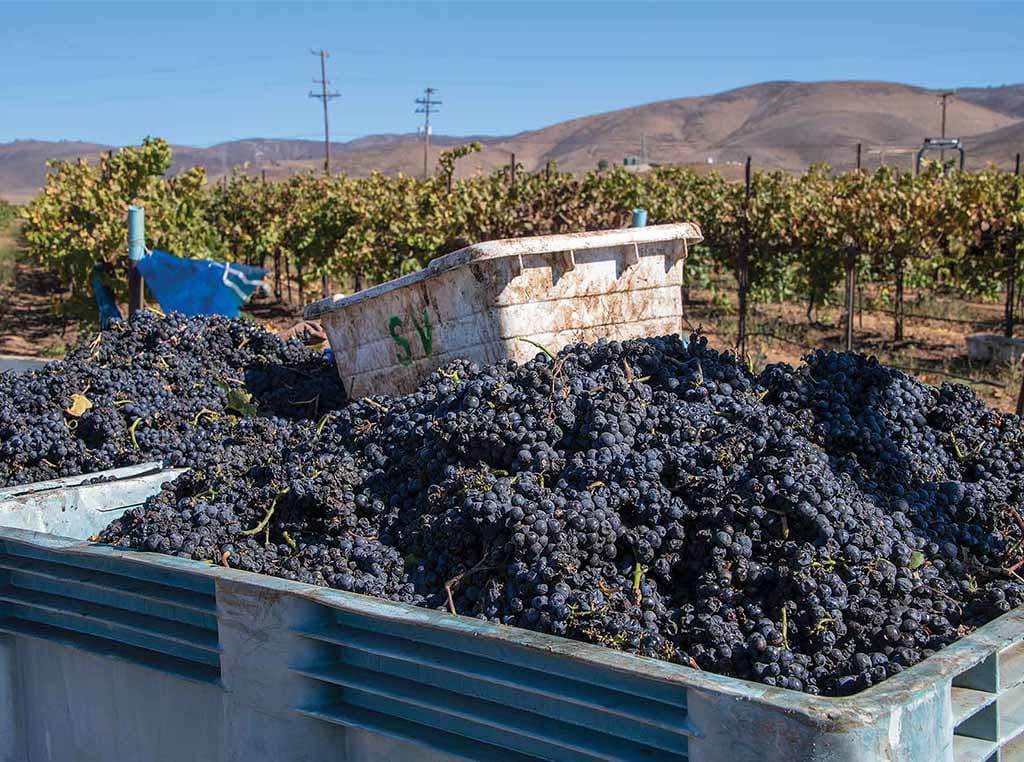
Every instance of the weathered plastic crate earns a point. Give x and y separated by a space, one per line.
107 654
481 301
989 347
19 364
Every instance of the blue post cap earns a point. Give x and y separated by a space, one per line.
639 218
136 233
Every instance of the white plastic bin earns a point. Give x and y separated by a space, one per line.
988 347
479 302
19 364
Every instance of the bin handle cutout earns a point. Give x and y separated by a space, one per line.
681 249
630 256
636 254
562 262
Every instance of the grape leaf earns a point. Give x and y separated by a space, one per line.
240 401
79 404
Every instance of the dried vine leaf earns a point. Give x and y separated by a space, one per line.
79 404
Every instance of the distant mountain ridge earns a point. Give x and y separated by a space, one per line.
780 124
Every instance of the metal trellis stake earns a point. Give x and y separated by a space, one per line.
136 251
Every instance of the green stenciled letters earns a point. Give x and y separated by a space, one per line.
405 351
426 332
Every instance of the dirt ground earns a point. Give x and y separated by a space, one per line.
30 325
933 347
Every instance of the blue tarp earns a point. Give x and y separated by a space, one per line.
104 298
199 286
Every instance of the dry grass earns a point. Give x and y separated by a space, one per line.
8 252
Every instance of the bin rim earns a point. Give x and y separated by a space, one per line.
104 477
687 233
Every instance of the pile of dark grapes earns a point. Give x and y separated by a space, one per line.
154 388
818 528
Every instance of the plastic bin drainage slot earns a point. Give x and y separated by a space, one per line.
425 686
157 623
988 708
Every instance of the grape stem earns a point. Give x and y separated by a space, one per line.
1016 515
537 344
131 432
375 404
450 584
266 519
638 573
323 422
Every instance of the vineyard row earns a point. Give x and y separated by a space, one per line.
779 236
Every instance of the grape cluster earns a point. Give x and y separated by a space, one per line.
153 388
817 528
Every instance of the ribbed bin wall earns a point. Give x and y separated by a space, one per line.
988 708
506 703
153 617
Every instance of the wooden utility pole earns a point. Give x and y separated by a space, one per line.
1011 279
943 97
743 268
277 252
427 106
851 275
858 156
512 171
325 97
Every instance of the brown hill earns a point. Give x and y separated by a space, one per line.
360 156
824 122
387 154
1006 99
998 147
779 124
23 163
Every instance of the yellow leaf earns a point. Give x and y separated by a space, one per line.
79 404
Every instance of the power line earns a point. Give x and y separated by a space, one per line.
426 106
324 96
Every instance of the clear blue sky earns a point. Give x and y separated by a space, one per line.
203 73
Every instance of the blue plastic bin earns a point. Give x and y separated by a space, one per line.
107 654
